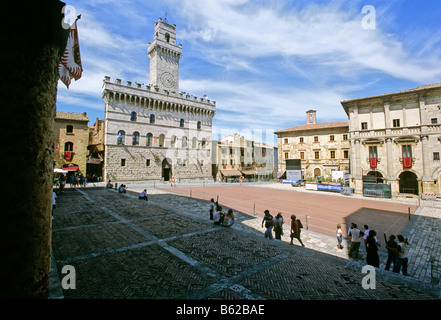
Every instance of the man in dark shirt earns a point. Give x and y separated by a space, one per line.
391 247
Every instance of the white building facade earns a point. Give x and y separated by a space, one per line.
396 138
155 132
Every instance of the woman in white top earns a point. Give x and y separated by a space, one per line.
339 237
217 215
228 218
402 259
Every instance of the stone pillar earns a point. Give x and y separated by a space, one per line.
357 167
32 47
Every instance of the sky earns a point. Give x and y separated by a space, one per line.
265 63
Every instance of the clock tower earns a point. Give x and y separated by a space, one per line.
164 57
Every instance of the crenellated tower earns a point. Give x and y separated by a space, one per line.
164 57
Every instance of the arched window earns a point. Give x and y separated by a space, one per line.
194 142
68 151
149 140
121 137
161 140
69 129
152 118
167 37
199 125
184 142
181 123
68 146
133 116
204 142
135 138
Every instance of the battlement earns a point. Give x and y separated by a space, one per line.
156 89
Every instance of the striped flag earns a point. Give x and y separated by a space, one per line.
70 63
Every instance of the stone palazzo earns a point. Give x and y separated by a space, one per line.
155 132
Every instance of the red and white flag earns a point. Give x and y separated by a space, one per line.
70 63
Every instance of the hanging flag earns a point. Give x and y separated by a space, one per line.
70 63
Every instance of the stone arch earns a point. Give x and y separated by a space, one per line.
377 174
317 172
408 182
167 170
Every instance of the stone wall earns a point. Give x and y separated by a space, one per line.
410 117
185 146
31 50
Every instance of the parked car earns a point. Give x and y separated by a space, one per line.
298 183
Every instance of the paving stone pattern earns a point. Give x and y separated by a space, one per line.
167 248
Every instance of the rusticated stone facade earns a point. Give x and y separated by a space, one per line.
154 132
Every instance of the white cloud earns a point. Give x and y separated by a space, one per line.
331 35
264 62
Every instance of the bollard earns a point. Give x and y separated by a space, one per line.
254 210
409 213
306 222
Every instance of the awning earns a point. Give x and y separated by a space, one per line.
71 168
231 173
249 172
56 170
94 161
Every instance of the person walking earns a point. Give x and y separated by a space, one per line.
365 235
269 223
372 245
54 203
354 235
339 237
296 226
402 259
391 247
278 226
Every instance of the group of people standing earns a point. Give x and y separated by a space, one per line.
277 222
397 252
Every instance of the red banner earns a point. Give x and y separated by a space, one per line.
373 162
407 163
68 155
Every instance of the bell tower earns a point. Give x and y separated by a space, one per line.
164 57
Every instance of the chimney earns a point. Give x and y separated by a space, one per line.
310 117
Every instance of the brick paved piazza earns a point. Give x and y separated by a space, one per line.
167 248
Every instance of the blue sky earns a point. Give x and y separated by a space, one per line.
265 63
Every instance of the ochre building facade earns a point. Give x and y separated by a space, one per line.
71 139
321 147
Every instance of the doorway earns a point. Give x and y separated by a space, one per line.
408 182
317 172
376 175
166 170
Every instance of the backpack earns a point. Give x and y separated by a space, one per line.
300 223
